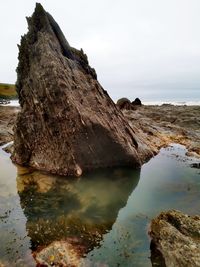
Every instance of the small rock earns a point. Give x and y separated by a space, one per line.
137 102
195 165
59 253
9 148
175 240
124 103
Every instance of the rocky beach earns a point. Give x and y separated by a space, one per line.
84 178
65 218
165 124
158 125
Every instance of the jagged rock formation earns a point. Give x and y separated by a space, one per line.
68 124
175 240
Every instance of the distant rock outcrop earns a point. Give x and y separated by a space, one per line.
175 240
137 102
124 103
68 124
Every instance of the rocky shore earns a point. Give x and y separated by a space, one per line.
158 125
68 125
165 124
175 236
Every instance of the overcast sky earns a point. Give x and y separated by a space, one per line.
136 46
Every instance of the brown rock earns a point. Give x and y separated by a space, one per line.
175 240
124 103
68 124
162 125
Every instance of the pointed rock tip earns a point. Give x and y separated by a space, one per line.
39 7
38 20
39 11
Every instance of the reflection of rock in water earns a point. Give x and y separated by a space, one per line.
76 211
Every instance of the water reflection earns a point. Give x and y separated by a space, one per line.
75 212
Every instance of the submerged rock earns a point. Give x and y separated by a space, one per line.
58 254
68 124
175 240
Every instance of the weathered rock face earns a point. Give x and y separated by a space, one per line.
68 124
175 240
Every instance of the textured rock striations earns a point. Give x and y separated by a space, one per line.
175 240
68 124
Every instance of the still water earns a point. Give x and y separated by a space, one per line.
99 220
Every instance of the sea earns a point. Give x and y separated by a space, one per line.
150 96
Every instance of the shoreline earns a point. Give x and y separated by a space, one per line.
15 103
158 125
173 103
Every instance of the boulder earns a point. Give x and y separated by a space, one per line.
124 103
137 102
175 240
68 124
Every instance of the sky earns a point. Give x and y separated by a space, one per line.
139 48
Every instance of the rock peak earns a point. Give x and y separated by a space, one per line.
68 124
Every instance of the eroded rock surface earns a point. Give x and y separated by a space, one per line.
175 240
7 120
166 124
68 124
